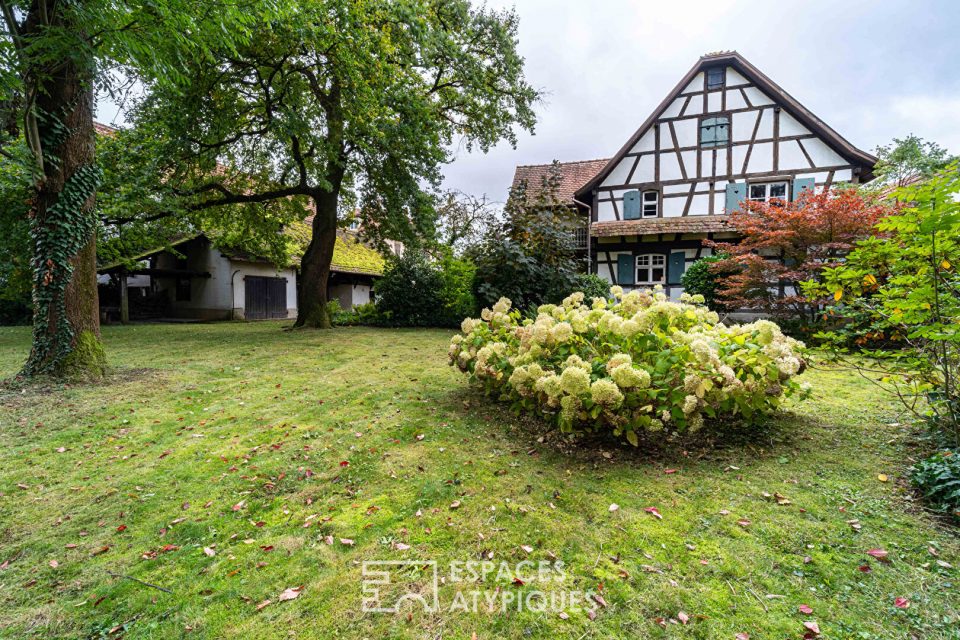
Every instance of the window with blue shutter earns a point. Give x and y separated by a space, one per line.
802 184
676 266
715 132
736 194
631 205
625 268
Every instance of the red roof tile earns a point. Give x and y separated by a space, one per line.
573 175
686 224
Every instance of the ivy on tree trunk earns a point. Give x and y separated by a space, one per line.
66 321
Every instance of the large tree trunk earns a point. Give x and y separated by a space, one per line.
66 321
315 267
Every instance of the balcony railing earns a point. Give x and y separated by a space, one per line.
580 237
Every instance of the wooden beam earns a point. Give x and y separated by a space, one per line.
776 138
753 138
676 146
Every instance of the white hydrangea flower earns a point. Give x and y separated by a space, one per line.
616 291
561 332
575 381
606 393
502 306
578 362
690 404
573 300
628 377
618 359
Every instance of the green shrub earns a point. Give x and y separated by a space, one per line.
701 278
416 291
639 366
938 479
365 314
456 291
591 285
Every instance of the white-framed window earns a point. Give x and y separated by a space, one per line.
651 268
767 191
650 204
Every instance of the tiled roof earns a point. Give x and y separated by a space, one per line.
686 224
573 175
104 129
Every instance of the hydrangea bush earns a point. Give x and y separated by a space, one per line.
635 365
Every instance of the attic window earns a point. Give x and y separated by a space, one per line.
715 132
716 77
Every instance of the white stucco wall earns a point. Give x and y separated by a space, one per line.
350 295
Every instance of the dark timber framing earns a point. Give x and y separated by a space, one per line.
755 77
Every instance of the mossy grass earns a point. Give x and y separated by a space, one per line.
231 437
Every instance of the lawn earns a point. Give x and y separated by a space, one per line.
223 464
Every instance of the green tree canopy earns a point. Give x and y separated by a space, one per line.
345 105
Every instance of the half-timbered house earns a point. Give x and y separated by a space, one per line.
725 134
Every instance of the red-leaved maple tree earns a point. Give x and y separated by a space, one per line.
786 243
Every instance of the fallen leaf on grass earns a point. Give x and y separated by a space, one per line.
744 522
882 477
346 541
209 552
805 609
263 604
901 603
455 504
613 507
290 594
742 636
599 600
683 617
103 549
54 564
653 511
526 548
812 626
879 554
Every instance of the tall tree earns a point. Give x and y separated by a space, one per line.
464 219
908 159
345 104
53 55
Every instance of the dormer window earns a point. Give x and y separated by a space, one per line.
650 204
715 132
716 77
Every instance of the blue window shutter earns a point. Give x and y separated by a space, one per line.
736 194
676 265
631 205
626 269
802 184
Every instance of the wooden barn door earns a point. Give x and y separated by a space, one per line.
265 298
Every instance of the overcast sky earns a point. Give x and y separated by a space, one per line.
871 70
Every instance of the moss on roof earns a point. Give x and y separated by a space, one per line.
352 256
